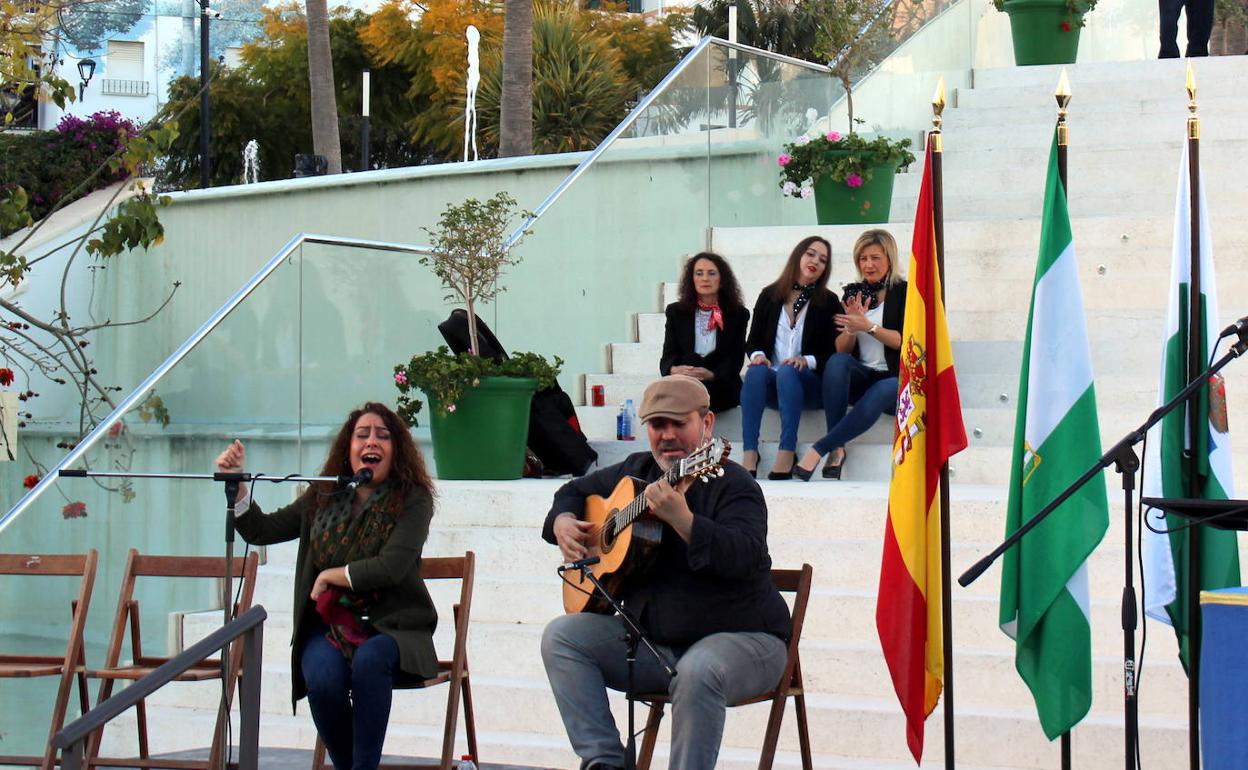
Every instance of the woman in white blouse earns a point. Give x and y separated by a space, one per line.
791 337
864 370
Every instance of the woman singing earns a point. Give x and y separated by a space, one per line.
363 620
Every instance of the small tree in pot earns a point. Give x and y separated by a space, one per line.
469 253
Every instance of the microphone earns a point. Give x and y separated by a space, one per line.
588 561
1239 327
363 477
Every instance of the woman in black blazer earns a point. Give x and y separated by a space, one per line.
705 337
790 339
864 370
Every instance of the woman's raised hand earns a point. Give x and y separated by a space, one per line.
231 460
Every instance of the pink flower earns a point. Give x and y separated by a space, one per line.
450 409
74 510
116 429
807 192
803 139
784 159
832 136
400 378
788 188
853 180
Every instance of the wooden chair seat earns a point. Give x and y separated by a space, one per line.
126 623
797 582
202 671
29 666
453 671
69 665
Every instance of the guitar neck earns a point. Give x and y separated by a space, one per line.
633 511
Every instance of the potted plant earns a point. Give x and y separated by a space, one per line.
849 176
1045 31
479 407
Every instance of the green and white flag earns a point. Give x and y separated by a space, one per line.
1044 583
1169 473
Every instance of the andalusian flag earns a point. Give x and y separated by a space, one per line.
929 432
1170 472
1044 582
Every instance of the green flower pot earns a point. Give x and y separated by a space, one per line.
1044 31
836 203
485 437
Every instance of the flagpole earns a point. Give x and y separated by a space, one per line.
936 139
1063 139
1195 365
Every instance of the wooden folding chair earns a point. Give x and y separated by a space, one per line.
797 582
453 672
142 664
68 666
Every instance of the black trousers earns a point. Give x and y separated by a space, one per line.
1199 26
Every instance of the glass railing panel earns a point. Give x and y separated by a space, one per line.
243 380
598 254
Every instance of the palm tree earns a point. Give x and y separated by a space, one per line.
321 80
516 108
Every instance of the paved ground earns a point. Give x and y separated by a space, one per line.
301 759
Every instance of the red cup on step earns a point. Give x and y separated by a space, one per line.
598 395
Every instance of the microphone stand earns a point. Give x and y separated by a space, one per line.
1122 456
633 637
231 481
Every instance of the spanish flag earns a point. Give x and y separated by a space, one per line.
929 431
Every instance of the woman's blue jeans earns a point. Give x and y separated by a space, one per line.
788 389
846 380
350 700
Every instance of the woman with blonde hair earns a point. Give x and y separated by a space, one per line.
863 372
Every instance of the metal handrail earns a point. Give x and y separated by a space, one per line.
72 738
636 112
186 347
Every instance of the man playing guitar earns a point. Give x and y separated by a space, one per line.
706 599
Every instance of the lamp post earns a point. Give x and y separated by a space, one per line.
204 122
86 70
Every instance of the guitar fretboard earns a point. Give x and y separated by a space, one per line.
625 516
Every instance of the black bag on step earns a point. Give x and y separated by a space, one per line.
555 434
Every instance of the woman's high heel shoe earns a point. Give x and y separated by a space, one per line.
831 471
802 473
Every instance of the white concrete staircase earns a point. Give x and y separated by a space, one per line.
1126 126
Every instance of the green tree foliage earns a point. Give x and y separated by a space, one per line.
86 25
267 99
785 28
579 88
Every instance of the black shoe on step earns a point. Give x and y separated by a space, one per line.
780 476
802 473
831 471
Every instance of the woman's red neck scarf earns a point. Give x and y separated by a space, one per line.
717 316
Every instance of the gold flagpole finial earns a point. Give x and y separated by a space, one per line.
1193 121
938 109
1062 95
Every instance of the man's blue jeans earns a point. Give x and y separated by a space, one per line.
584 654
846 380
350 700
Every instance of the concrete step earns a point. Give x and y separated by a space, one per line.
1212 73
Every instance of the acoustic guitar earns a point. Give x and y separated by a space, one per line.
623 538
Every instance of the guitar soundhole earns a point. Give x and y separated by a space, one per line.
609 533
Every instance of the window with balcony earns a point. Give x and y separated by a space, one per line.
123 69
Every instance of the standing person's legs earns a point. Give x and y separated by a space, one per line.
584 654
1168 11
328 676
1199 26
718 670
373 668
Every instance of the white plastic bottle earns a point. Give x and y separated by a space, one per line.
466 763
